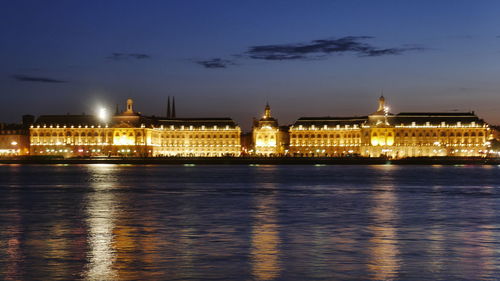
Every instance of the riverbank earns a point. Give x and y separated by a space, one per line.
259 161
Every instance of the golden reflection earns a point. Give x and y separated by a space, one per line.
265 238
12 249
384 263
101 219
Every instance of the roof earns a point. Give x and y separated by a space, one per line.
198 122
5 126
330 121
68 120
435 118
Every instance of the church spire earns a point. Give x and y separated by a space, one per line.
173 108
168 108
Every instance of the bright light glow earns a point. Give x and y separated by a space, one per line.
14 143
102 114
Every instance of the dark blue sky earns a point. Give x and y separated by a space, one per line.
226 58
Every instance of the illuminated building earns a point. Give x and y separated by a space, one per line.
14 138
268 137
409 134
131 134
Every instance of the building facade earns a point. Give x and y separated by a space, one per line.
129 133
409 134
14 138
269 138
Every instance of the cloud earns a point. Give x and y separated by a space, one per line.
25 78
323 47
215 63
128 56
312 50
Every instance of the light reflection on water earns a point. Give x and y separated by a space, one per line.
265 236
384 248
100 214
114 222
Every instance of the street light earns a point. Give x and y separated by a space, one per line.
102 114
15 150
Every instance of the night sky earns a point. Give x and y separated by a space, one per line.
227 58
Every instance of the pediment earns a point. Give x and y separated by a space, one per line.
124 125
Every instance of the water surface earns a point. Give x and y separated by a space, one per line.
122 222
